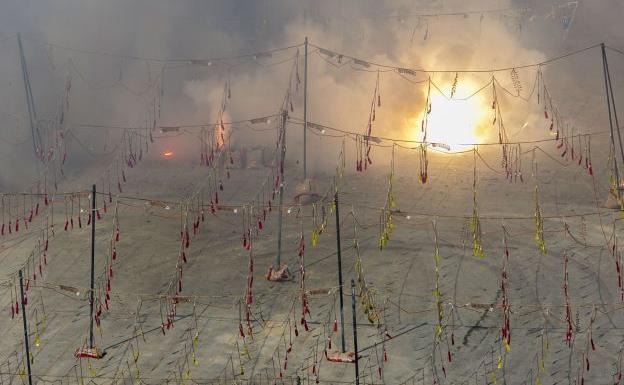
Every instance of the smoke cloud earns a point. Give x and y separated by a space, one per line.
110 90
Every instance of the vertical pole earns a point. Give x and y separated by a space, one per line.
281 191
342 335
355 346
615 115
305 111
29 100
93 216
26 343
615 165
162 92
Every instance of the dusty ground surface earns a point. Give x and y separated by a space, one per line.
401 277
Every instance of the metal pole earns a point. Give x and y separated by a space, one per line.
25 327
342 335
281 191
162 93
29 101
93 216
305 111
355 347
615 116
615 167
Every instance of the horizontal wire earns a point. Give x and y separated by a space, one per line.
490 70
164 60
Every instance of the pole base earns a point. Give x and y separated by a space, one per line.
93 352
340 357
280 275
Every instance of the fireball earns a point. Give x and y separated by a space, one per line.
455 123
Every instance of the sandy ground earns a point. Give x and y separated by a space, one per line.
401 277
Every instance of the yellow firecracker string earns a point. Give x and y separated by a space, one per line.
539 224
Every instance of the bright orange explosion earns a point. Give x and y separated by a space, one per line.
456 123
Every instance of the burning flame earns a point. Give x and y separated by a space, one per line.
454 124
167 154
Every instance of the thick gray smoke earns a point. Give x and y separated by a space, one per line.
109 90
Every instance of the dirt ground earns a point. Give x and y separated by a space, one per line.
401 277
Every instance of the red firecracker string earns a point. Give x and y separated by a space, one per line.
568 308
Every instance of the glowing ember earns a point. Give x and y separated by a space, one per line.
454 124
168 154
